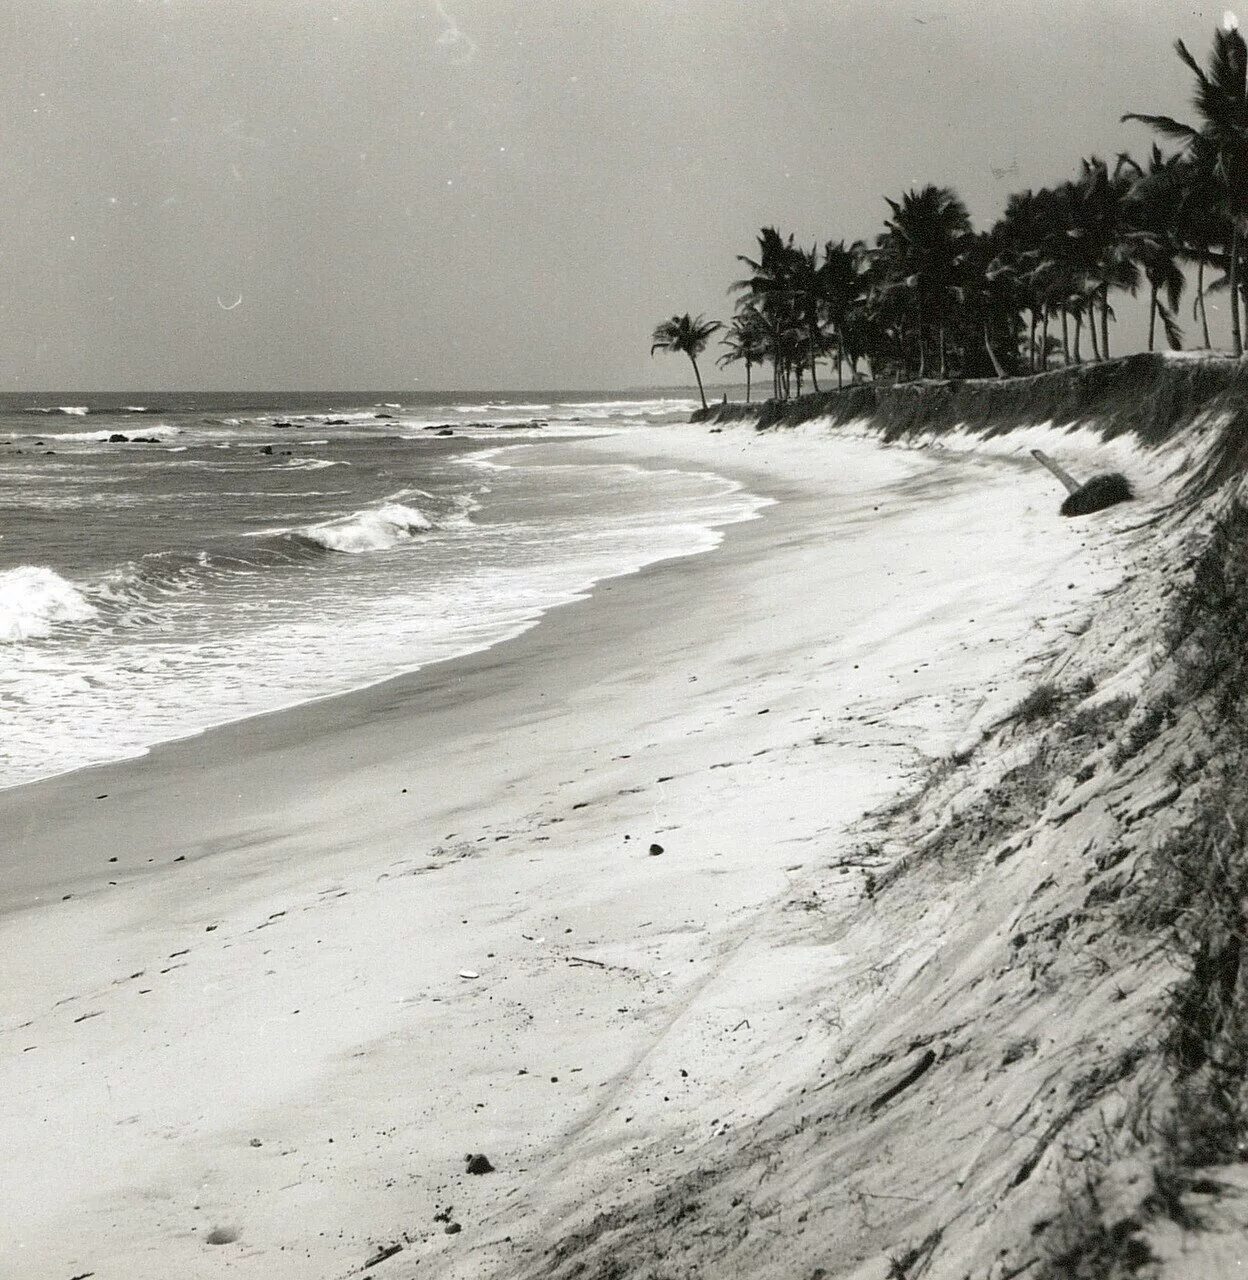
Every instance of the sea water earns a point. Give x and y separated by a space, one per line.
249 553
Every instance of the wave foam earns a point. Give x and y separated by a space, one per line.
33 599
308 464
376 529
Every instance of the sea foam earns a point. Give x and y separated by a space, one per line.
376 529
33 599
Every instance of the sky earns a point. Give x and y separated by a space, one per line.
471 194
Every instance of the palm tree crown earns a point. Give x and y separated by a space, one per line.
1218 146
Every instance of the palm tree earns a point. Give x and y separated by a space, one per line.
841 292
746 343
1110 243
688 335
1156 198
1200 228
1219 146
920 248
774 290
807 287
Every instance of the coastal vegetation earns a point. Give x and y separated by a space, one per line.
931 296
688 335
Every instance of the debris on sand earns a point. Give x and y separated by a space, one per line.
480 1164
655 850
1083 499
1099 492
387 1251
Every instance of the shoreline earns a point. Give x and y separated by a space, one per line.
500 627
247 1037
358 706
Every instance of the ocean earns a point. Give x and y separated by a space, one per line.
236 554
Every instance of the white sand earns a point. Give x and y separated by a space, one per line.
272 1037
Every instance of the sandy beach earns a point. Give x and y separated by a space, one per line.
277 981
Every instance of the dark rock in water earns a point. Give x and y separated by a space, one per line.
655 850
337 422
267 448
281 425
445 431
480 1164
144 440
1099 492
118 438
384 417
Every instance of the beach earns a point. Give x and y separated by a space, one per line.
271 985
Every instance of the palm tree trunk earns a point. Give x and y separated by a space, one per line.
1065 338
992 355
1152 313
1200 299
697 375
1096 346
840 361
1105 322
918 315
1237 341
1031 343
814 375
1078 334
1044 339
944 364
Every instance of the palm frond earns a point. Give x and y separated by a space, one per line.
1167 126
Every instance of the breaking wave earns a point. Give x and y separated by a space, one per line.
34 599
375 529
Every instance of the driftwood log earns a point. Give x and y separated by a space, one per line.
1095 495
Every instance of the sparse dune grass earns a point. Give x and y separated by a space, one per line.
1195 887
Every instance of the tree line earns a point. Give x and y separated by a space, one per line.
931 296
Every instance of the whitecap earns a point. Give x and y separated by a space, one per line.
33 599
375 529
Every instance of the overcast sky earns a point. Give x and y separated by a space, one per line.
333 194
